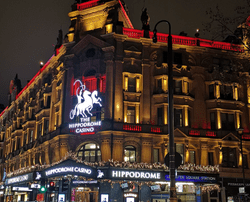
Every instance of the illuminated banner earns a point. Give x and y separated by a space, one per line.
19 179
135 175
86 102
193 178
70 167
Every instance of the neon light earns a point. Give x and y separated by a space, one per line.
135 174
3 111
88 4
210 134
245 137
87 105
86 101
131 127
126 16
68 169
184 40
37 74
156 130
194 132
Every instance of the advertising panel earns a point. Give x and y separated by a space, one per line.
86 110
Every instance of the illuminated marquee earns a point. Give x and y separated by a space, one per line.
136 174
17 179
68 169
85 104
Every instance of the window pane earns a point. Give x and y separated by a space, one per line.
192 157
131 114
131 84
156 155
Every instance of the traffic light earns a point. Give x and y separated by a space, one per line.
51 186
43 188
65 184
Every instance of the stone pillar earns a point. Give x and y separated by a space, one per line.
125 112
109 55
137 113
146 99
56 153
47 155
146 151
105 149
204 154
165 114
118 91
63 147
199 92
187 152
117 150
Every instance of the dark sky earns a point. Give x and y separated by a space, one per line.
29 29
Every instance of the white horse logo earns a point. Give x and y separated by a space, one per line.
82 108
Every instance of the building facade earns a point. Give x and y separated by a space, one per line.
96 115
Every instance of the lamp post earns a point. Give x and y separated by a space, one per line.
240 131
173 197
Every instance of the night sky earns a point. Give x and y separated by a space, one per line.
29 29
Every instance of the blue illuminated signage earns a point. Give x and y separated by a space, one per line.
192 178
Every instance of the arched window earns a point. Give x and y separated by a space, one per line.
129 154
90 152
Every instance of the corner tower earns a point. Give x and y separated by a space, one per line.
105 15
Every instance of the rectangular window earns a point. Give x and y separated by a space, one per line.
210 158
178 58
180 149
226 92
212 121
229 157
227 121
211 91
39 130
156 155
159 84
31 135
192 157
177 86
46 127
131 84
178 117
160 116
131 114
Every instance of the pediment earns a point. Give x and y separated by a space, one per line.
178 133
230 137
86 41
133 49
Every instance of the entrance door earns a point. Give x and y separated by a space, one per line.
86 196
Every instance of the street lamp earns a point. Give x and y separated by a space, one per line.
240 131
173 197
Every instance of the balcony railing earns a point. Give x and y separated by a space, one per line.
184 40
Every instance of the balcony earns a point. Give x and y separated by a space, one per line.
135 128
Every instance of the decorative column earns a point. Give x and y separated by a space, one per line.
187 155
137 112
106 149
118 91
165 114
63 147
125 112
146 151
109 55
117 149
47 155
204 154
56 151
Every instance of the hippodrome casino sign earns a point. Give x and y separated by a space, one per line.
82 112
